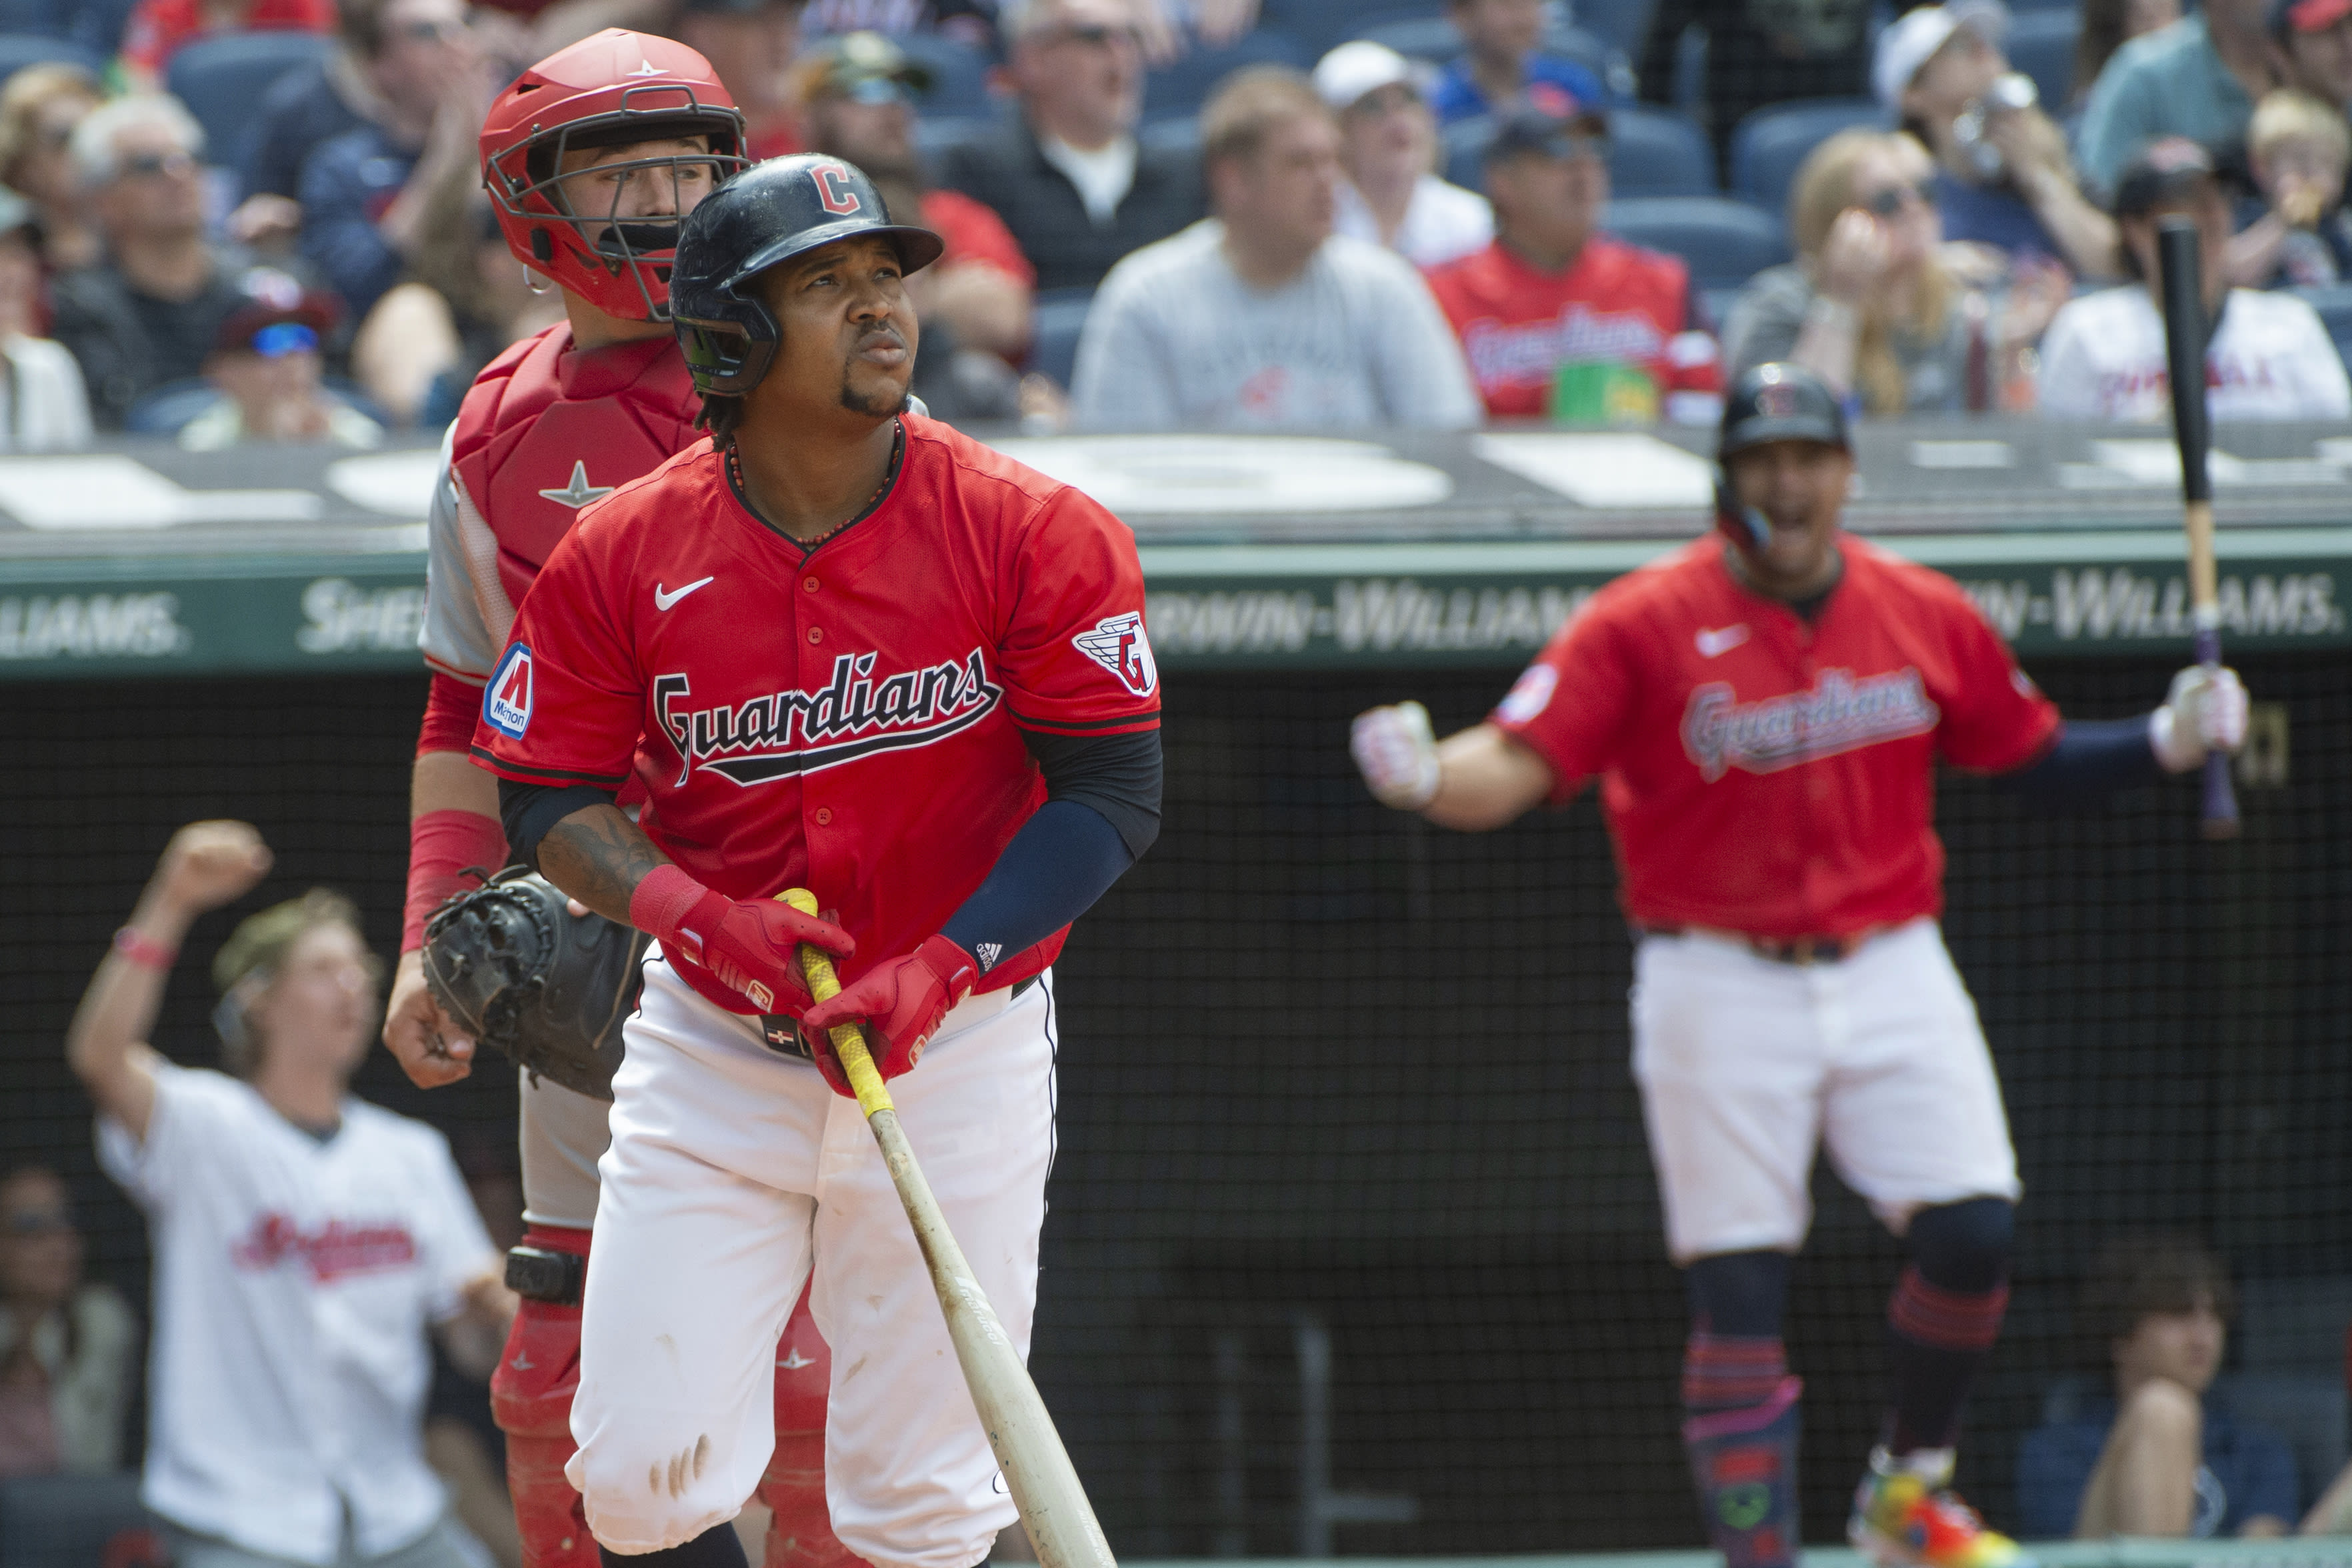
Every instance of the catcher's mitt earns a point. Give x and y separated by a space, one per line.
516 969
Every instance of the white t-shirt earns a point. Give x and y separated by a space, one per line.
1177 341
2103 358
1442 223
43 405
1103 176
294 1281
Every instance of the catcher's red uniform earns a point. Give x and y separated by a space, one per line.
547 428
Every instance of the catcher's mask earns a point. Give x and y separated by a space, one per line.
615 88
782 208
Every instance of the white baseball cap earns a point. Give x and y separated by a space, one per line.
1911 39
1345 75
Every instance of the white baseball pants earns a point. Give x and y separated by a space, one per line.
1747 1066
733 1170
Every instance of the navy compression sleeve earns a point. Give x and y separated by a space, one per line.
528 811
2090 759
1101 812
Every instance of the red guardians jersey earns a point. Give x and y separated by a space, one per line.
1615 302
1765 774
847 718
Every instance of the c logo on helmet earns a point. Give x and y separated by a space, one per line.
834 189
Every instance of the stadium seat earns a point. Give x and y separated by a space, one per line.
1419 33
40 17
2041 44
1657 152
163 411
1057 318
1620 24
958 74
1725 242
1173 135
221 77
1180 88
1319 25
18 50
72 1521
937 135
1771 144
1651 153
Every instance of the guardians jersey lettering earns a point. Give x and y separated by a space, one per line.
1767 774
1838 714
914 708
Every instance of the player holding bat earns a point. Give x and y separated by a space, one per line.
844 648
1764 710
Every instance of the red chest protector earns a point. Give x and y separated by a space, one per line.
548 429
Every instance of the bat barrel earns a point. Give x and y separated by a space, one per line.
2180 286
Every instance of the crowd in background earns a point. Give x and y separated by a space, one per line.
1307 251
1379 240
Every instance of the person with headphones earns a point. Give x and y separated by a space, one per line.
1765 708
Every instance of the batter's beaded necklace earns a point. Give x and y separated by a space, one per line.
890 476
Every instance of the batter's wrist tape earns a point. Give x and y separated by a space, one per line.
137 948
665 900
442 845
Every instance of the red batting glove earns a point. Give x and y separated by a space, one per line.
900 1003
751 944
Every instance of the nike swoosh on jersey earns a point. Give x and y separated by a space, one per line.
664 601
1715 641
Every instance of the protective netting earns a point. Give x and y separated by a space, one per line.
1354 1241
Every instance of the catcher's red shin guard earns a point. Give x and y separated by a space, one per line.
530 1396
799 1530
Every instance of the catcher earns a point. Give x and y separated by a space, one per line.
590 158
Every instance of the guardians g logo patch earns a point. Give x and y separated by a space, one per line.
506 701
1118 645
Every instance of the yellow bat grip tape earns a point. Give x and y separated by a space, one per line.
848 1039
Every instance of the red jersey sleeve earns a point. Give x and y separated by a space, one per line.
565 702
1075 656
1573 704
1995 718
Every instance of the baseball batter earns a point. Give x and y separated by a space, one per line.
843 647
1765 711
591 157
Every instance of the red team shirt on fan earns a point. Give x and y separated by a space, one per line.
1766 776
1616 303
847 719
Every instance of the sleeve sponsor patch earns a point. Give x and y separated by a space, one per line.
1117 642
1529 695
506 701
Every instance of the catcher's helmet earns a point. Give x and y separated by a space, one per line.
1775 401
761 218
611 89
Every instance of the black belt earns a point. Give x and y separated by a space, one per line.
783 1031
1796 950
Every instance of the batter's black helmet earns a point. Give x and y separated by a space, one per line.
761 219
1775 401
1780 402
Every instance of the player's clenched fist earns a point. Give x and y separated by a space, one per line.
2204 711
208 864
751 944
901 1003
1397 750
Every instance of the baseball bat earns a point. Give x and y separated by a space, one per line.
1046 1486
2185 332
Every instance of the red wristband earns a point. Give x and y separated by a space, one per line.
144 951
442 846
664 897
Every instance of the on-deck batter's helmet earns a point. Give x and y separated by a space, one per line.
1775 401
610 89
761 218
